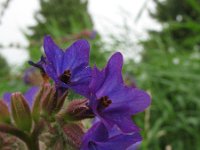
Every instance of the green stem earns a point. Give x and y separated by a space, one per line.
14 131
32 140
33 144
39 126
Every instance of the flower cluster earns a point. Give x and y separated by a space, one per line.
107 99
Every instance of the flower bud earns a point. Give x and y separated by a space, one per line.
21 112
60 100
48 99
41 102
4 113
37 105
52 99
76 110
74 133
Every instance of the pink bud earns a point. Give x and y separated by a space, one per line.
76 110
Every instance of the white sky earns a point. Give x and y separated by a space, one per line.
105 13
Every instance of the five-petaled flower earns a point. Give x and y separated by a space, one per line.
111 100
69 68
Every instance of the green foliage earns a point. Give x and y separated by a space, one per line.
12 83
172 79
68 16
180 22
179 10
9 82
170 72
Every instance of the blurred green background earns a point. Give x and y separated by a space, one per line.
169 69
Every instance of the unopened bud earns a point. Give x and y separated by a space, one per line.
4 113
21 112
52 99
48 99
76 110
74 133
37 105
60 100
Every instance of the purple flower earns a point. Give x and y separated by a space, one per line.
69 69
29 96
113 102
99 138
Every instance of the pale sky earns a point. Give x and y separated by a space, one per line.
105 14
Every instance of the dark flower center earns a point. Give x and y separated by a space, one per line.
104 102
65 77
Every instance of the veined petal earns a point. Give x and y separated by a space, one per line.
121 142
76 55
131 100
51 71
99 138
54 54
97 79
97 132
113 75
81 89
83 76
123 121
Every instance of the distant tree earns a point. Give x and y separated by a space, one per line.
65 21
180 24
169 71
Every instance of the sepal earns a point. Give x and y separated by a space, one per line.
21 112
37 105
48 100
